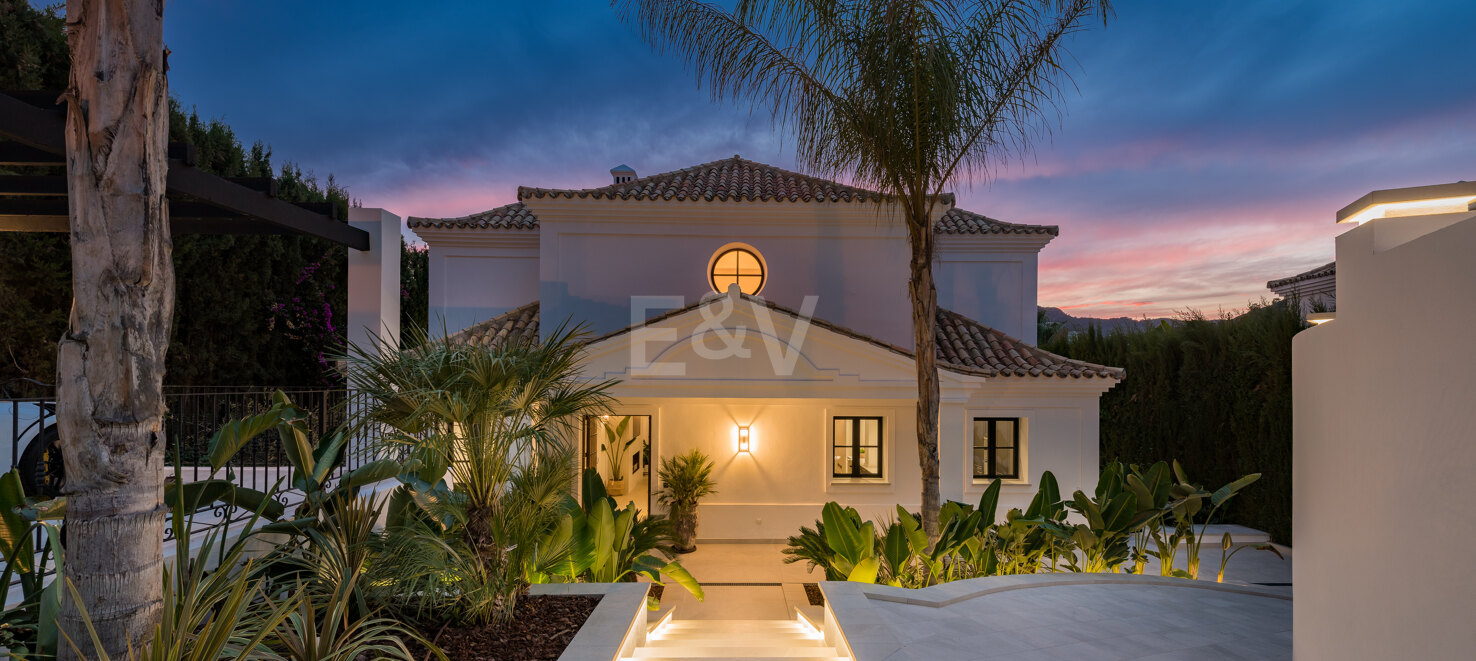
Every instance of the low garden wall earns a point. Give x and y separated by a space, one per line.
617 625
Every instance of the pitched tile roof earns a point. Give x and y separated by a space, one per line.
964 345
959 221
734 179
963 342
517 325
513 216
1330 268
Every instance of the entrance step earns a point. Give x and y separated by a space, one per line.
718 640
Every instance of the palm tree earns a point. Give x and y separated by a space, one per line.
110 362
496 423
905 97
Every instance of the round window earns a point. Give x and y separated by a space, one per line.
737 264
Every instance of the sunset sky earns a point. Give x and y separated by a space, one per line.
1203 150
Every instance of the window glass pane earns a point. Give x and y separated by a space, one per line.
721 282
727 263
842 461
747 263
981 463
843 432
870 461
749 284
981 433
870 431
1005 463
1004 432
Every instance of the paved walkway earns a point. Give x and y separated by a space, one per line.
1075 622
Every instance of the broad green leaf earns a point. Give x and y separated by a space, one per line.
989 502
864 571
194 495
370 473
676 572
327 456
234 435
15 531
1233 488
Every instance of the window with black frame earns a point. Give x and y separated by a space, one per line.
996 448
856 445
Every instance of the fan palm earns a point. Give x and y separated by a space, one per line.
905 97
493 422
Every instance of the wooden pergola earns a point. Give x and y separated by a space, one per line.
34 127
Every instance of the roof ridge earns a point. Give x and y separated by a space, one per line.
746 180
975 349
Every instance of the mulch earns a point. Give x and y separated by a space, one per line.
541 628
816 597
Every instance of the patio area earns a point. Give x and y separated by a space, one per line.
1045 616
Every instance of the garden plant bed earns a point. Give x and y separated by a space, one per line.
541 628
813 593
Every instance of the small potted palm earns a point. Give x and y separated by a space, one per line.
685 480
616 451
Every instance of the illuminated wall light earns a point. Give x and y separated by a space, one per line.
743 439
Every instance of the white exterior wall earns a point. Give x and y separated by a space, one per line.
991 279
476 275
785 478
1384 428
597 254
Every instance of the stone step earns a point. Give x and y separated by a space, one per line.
718 652
734 625
699 640
737 658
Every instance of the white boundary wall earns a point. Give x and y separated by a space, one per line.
1385 446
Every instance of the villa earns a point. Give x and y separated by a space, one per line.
762 316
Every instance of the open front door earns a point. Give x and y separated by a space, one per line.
619 448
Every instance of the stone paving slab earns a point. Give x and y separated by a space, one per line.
1077 617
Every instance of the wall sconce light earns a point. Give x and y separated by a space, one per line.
743 439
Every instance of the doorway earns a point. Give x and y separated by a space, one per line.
619 446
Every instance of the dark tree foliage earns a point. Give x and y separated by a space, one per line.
414 288
1214 394
228 328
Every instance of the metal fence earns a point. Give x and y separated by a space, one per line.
191 420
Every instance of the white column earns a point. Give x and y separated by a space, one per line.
374 280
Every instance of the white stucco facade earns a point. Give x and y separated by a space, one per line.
829 335
1383 447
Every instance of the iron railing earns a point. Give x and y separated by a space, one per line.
191 419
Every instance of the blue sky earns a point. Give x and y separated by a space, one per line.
1204 148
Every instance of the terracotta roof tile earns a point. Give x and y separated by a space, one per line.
517 325
959 221
734 179
1330 268
964 345
514 216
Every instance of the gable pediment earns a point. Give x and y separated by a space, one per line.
740 343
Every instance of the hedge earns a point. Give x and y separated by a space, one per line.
1216 394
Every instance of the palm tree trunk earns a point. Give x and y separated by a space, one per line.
924 340
110 363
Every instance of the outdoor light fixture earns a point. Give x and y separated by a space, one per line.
742 438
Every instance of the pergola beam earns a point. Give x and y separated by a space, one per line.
37 130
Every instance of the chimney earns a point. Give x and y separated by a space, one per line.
623 174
